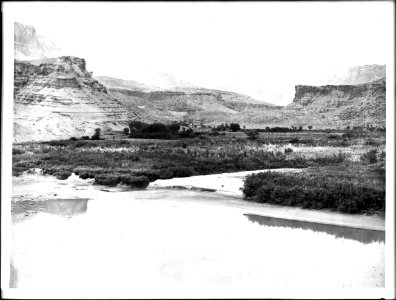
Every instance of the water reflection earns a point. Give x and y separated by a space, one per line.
66 207
364 236
13 276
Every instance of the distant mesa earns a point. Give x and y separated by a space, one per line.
360 75
28 45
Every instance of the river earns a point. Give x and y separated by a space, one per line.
70 238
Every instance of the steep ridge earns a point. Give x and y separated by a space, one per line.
28 45
58 98
340 105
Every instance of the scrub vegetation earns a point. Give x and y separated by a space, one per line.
331 160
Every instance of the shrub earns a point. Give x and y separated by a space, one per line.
294 141
317 191
86 175
369 157
17 151
235 127
85 137
139 182
333 136
152 175
107 179
62 175
73 139
166 174
182 171
288 150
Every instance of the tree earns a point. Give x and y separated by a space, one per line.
300 128
310 127
96 136
174 127
235 127
135 125
126 130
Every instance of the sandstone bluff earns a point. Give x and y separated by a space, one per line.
58 98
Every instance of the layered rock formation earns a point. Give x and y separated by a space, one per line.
58 98
341 105
28 45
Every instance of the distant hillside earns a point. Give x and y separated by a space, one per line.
359 75
28 45
180 103
111 82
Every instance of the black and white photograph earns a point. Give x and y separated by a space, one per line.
198 150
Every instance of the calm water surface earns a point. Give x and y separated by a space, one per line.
158 242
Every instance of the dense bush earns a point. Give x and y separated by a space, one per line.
107 179
86 175
17 151
182 172
370 157
288 150
317 192
235 127
127 179
62 175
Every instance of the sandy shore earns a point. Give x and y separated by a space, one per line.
230 184
29 191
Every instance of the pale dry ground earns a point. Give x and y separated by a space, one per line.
230 184
173 243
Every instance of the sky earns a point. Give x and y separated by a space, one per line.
262 49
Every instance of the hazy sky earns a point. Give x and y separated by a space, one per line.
258 48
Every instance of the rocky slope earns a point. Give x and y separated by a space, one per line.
58 98
180 103
28 45
340 105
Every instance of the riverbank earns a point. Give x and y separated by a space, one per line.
181 241
230 184
33 192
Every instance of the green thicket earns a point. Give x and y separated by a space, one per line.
352 190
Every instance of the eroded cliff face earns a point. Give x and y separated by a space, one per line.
342 104
58 98
28 45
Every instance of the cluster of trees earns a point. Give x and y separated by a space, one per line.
96 136
286 129
234 127
138 129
